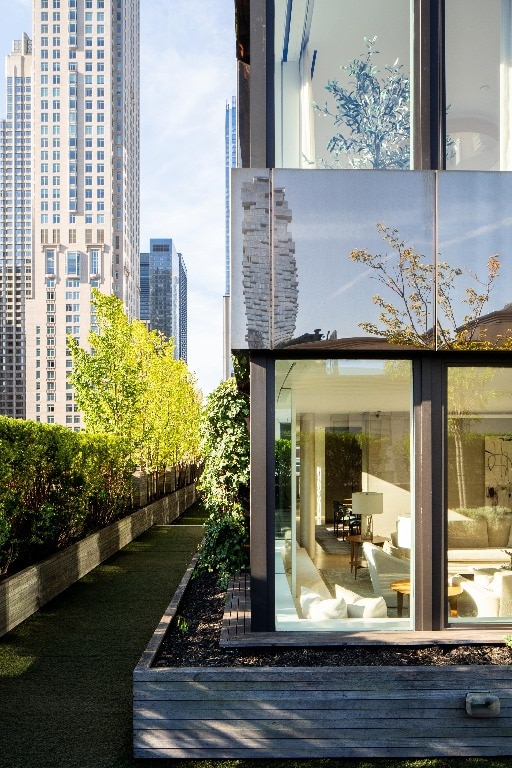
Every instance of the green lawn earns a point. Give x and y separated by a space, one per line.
66 673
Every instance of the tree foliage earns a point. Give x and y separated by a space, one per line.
416 283
225 479
130 385
372 115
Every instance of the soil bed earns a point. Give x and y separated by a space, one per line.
193 641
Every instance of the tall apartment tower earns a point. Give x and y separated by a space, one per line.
230 161
15 227
85 185
163 291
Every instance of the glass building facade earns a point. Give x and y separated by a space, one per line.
370 287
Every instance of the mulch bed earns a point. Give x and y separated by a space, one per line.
193 641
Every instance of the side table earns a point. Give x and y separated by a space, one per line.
356 542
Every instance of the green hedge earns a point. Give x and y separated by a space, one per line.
56 486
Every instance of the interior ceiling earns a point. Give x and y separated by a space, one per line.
341 386
326 387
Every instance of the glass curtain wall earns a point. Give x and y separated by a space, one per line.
479 514
478 50
344 533
342 84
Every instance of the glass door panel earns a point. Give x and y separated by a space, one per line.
344 528
479 514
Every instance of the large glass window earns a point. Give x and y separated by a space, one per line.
478 84
343 537
342 84
479 514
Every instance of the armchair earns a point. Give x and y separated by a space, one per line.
384 570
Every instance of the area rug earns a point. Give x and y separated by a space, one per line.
329 542
362 585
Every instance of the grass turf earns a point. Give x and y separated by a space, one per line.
66 672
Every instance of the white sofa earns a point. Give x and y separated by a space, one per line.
490 594
477 538
288 611
384 569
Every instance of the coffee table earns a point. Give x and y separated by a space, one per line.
403 587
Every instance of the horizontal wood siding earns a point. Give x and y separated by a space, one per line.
299 712
25 592
318 712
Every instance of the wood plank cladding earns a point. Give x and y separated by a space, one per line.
303 712
318 712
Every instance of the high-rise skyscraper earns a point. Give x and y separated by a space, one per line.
15 227
163 291
230 158
84 200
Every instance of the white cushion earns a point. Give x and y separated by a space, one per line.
362 607
313 606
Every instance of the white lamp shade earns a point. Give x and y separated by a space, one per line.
367 503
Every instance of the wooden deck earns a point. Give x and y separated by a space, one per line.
299 712
236 622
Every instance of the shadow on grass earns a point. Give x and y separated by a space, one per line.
66 672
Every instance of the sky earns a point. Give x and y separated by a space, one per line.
188 73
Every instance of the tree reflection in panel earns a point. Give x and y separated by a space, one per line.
479 515
344 534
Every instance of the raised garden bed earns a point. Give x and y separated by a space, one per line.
196 699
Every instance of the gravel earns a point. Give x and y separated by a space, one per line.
193 640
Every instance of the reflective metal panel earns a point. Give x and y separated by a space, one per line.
475 235
340 257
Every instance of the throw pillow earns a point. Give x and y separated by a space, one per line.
313 606
359 607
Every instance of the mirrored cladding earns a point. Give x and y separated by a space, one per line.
475 235
251 269
341 259
478 57
342 83
353 233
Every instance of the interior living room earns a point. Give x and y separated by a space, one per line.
344 532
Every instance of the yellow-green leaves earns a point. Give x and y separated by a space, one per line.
129 384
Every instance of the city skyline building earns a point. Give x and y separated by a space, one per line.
15 226
83 134
163 291
231 161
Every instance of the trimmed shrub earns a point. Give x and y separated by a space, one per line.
56 486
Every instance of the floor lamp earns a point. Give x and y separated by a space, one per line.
366 504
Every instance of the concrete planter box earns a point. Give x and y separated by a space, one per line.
300 712
25 592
